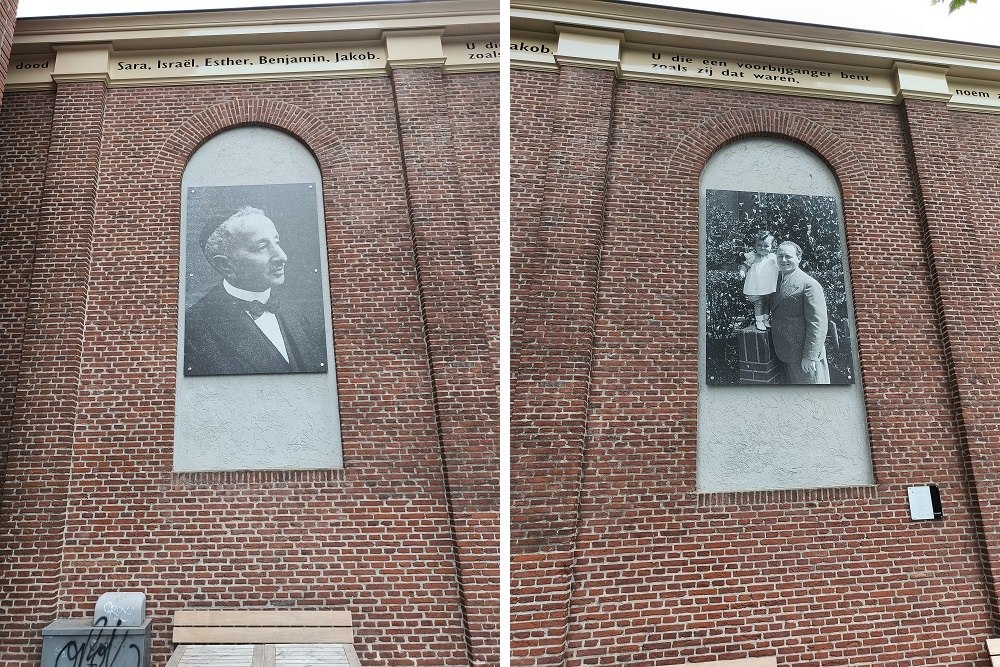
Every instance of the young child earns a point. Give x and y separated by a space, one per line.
760 269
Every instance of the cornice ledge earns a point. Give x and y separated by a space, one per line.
979 108
81 78
593 49
411 49
414 63
470 69
586 63
82 63
918 81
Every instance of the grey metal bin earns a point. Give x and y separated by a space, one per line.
119 635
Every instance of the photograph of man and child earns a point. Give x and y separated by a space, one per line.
775 267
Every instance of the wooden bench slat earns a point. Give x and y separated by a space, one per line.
208 632
233 617
177 656
744 662
352 656
230 655
263 655
311 655
262 635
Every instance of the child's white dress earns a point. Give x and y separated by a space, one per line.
762 275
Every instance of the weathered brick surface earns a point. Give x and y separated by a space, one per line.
8 14
458 294
657 573
474 400
539 603
953 163
530 141
551 384
90 502
36 489
22 182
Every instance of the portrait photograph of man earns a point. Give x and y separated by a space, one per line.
776 297
254 291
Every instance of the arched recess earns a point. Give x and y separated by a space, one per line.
686 162
310 130
254 391
757 430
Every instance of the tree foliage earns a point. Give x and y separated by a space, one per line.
953 4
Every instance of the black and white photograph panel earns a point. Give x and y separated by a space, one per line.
254 291
776 297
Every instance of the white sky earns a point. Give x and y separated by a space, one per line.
978 23
26 8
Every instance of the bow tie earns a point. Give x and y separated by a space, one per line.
256 308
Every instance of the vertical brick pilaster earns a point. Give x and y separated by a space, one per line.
8 16
25 124
967 313
553 364
40 455
541 586
463 370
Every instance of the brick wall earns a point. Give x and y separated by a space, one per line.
453 201
474 395
90 502
8 15
22 175
656 573
23 178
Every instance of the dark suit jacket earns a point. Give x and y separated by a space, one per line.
220 338
798 319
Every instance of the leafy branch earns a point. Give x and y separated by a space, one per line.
953 4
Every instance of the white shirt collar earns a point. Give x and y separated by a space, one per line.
245 295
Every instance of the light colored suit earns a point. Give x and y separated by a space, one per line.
798 327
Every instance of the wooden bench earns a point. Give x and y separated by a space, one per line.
288 638
745 662
993 648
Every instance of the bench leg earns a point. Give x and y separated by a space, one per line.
260 656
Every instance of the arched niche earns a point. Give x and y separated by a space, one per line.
756 429
255 391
